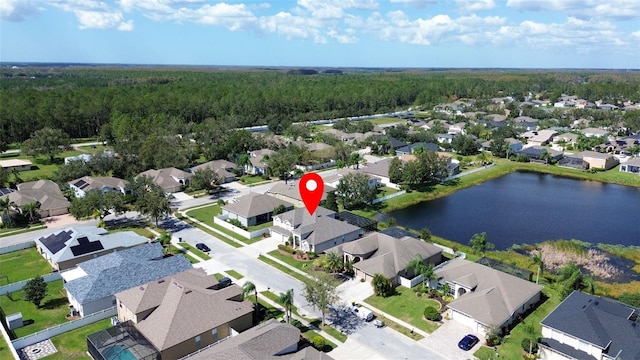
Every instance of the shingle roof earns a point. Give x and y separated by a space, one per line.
300 216
291 191
600 321
380 168
496 294
390 255
46 192
121 270
320 229
165 177
68 243
88 183
255 204
184 309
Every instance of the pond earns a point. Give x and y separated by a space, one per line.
528 207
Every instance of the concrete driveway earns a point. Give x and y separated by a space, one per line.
445 340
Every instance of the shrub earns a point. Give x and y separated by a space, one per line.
318 342
430 313
236 222
529 343
296 323
286 249
312 255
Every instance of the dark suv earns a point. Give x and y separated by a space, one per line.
202 247
224 282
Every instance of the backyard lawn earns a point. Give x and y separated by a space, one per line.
22 265
73 344
53 310
406 306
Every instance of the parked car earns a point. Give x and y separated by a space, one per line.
468 342
224 282
378 323
202 247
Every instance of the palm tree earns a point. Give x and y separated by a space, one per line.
420 268
589 283
333 261
480 244
6 205
249 288
286 299
537 259
31 210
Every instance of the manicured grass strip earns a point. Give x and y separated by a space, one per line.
5 353
193 249
138 230
54 309
252 179
206 214
22 265
399 328
282 268
485 353
286 258
406 306
234 274
73 344
12 231
218 276
310 335
175 251
208 231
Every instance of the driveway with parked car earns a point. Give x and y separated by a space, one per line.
446 338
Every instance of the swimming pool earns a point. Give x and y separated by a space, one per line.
117 352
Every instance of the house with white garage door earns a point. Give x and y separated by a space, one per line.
486 297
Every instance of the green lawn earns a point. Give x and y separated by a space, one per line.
175 251
193 249
209 231
406 306
384 191
234 274
282 268
251 179
73 344
5 353
386 120
15 231
136 229
22 265
205 214
286 258
53 310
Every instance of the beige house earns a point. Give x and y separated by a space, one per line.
103 184
485 297
539 137
44 192
290 192
18 164
386 255
222 168
596 160
169 179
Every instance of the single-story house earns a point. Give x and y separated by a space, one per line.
66 248
171 180
386 255
85 158
257 162
631 166
270 340
333 180
222 168
91 285
44 192
339 134
290 192
585 326
103 184
537 152
380 170
180 314
445 138
594 132
410 149
18 164
315 233
485 297
457 128
539 137
595 160
253 209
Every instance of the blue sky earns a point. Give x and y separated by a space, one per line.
334 33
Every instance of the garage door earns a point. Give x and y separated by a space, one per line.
280 237
465 320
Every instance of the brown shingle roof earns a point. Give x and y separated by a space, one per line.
255 204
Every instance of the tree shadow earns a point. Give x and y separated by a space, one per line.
54 303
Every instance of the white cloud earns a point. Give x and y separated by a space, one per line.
17 10
102 20
618 9
474 5
635 35
416 3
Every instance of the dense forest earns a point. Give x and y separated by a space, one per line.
82 100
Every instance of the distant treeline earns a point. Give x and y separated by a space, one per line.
80 101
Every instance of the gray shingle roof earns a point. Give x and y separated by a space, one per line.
46 192
321 229
255 204
88 183
291 190
496 296
600 321
121 270
64 244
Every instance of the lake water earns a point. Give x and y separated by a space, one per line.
526 208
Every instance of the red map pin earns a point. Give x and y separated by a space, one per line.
311 188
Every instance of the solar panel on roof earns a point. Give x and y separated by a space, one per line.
5 191
85 246
397 232
55 242
357 220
